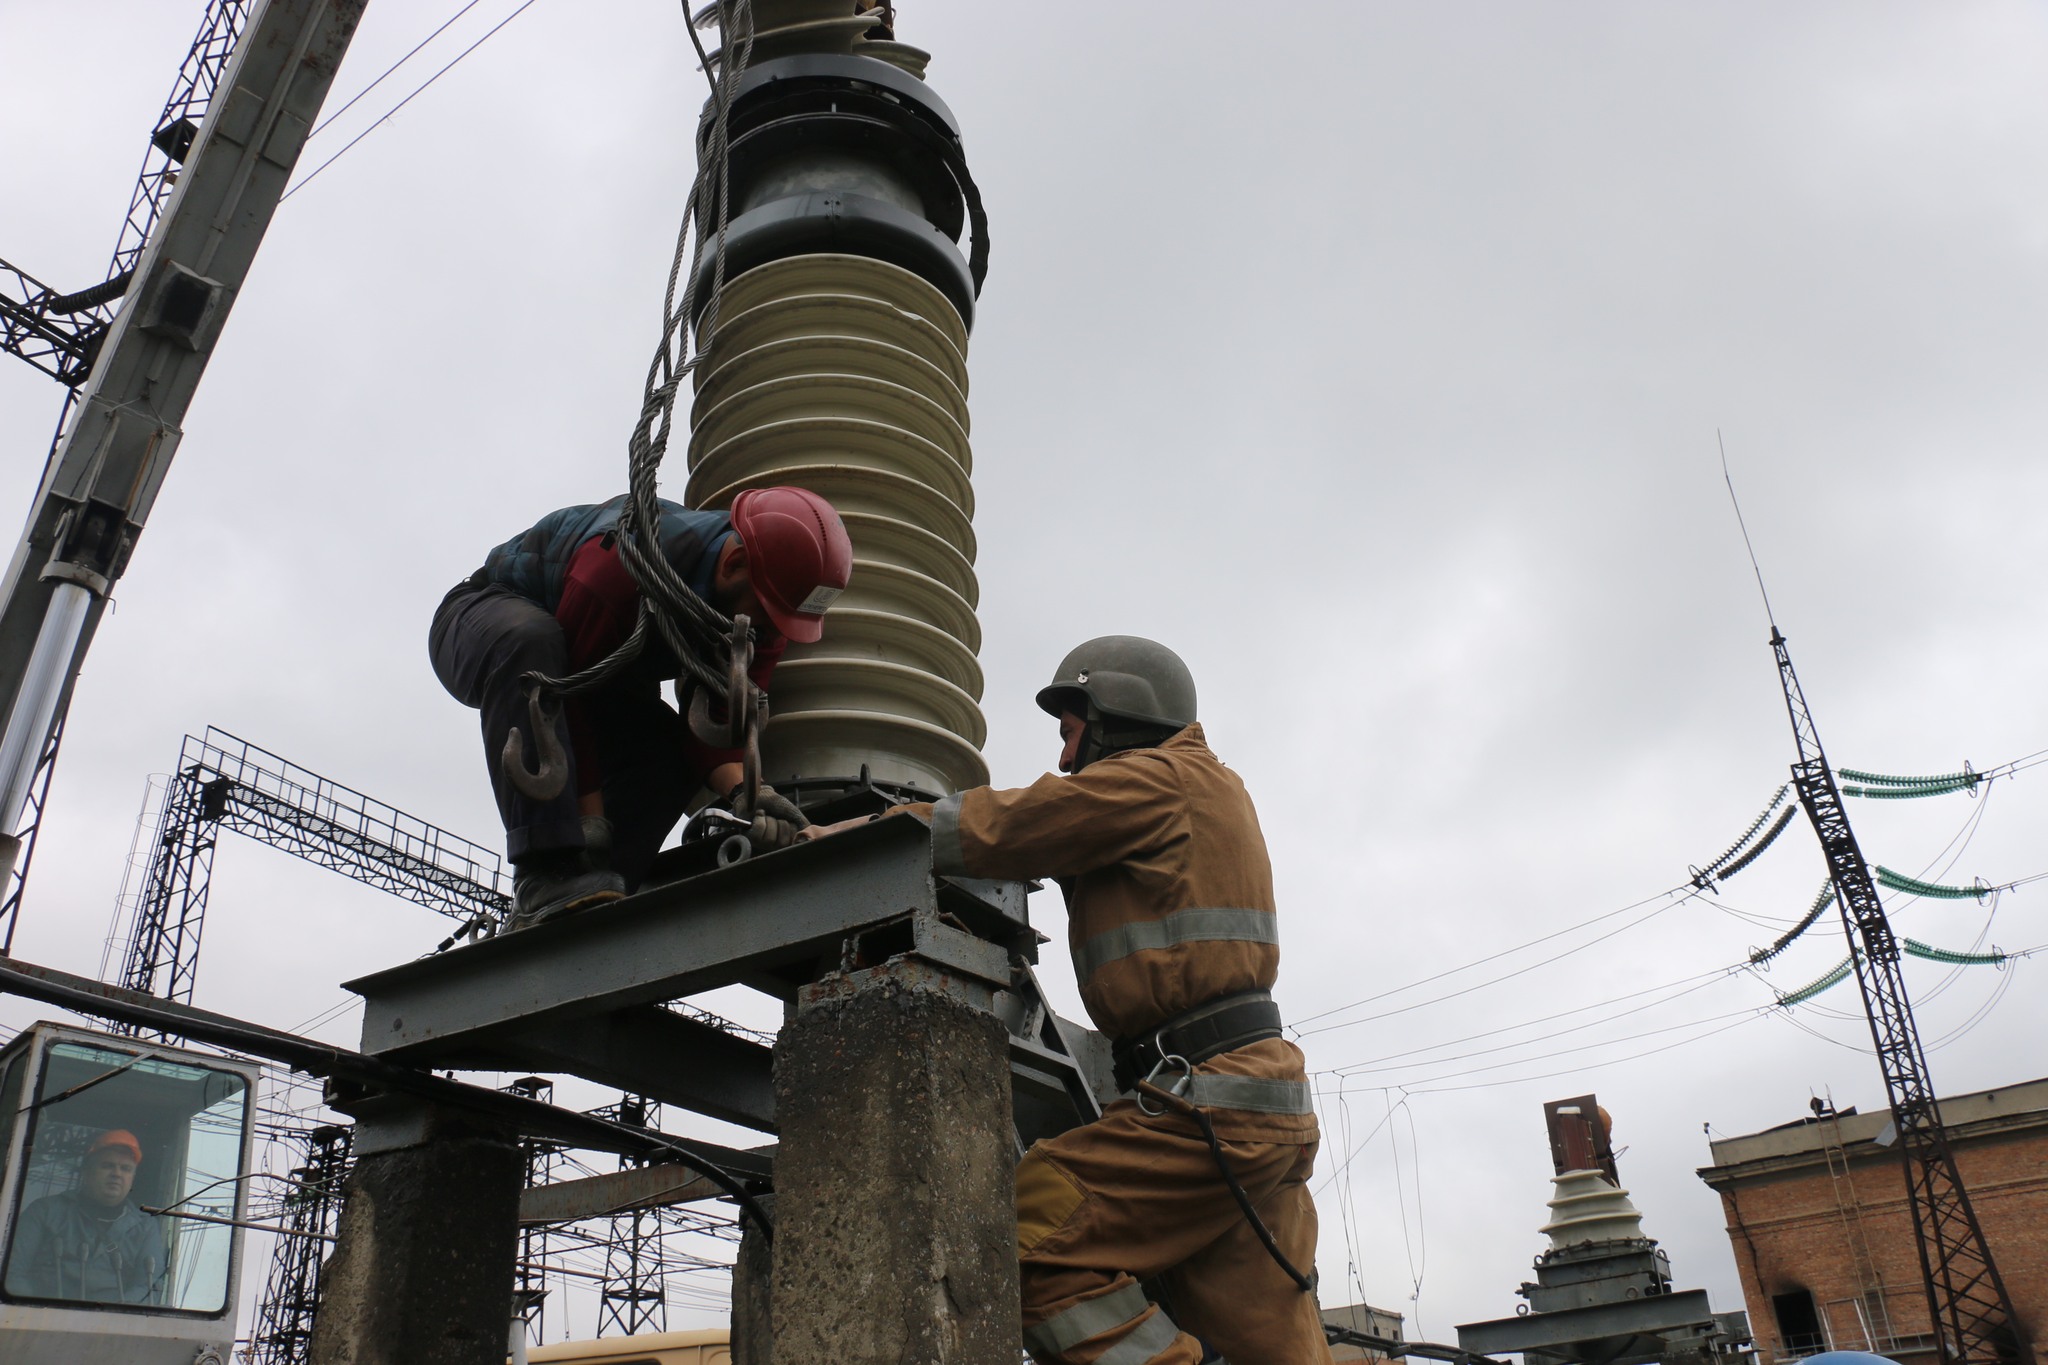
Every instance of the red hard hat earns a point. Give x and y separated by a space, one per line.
798 556
116 1137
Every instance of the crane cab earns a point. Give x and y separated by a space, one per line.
125 1172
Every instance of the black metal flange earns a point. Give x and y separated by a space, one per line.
856 115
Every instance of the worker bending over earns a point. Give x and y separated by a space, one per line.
1176 946
557 598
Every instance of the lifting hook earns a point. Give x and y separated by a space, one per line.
546 782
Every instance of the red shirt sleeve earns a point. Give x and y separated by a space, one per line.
600 602
599 605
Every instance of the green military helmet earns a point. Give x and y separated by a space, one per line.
1125 676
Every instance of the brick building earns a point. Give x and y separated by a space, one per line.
1824 1240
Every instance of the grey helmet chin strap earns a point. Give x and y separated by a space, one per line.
1103 735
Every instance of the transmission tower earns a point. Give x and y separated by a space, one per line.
227 784
284 1317
635 1294
543 1158
1971 1313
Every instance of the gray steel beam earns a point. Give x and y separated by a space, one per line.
772 922
1547 1331
654 1052
638 1187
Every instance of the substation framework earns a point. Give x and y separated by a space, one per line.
225 785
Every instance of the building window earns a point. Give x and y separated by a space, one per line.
1799 1325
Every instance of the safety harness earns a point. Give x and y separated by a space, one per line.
1181 1044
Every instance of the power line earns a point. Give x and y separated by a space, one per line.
322 125
1683 894
1361 1069
386 116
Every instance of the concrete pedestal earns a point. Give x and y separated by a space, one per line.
895 1225
422 1267
752 1273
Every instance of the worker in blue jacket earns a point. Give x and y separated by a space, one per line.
555 599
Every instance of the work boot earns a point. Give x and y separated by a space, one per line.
548 888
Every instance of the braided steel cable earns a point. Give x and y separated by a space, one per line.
697 633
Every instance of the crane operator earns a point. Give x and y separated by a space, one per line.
557 598
1171 922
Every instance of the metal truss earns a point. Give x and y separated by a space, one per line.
38 801
283 1333
635 1294
60 333
543 1162
1967 1303
228 784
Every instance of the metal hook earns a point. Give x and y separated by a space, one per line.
546 782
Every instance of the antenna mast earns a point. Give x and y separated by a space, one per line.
1974 1323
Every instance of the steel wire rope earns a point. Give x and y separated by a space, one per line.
1369 1068
1684 893
418 90
1526 1023
695 632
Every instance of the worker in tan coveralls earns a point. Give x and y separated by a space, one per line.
1176 946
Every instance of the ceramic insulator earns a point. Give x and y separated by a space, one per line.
848 376
1587 1207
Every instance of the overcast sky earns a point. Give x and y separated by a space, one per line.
1370 355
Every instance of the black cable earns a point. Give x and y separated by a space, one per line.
1244 1201
325 1059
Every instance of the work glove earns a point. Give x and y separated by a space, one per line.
776 818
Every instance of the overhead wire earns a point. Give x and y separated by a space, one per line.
354 99
1541 1019
1682 894
1750 1016
1367 1069
418 90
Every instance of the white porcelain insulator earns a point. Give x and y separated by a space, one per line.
848 376
1586 1206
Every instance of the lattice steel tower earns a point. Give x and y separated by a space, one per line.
1972 1315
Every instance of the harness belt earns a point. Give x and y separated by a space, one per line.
1222 1025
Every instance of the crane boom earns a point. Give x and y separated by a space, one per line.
101 481
1972 1315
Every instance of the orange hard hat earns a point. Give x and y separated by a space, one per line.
799 557
116 1137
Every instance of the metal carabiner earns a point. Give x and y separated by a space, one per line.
1179 1087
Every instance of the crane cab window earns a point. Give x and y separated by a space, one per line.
128 1154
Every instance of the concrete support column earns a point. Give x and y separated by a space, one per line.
752 1273
895 1225
423 1263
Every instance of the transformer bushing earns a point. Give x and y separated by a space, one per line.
836 361
1603 1293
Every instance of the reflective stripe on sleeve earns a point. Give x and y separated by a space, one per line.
1153 1338
1073 1325
947 859
1182 926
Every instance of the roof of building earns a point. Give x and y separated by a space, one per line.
1978 1114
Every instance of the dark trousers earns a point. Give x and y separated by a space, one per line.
483 638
